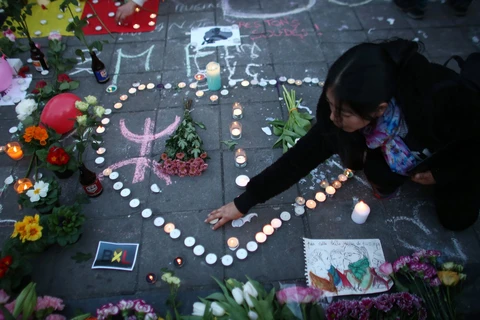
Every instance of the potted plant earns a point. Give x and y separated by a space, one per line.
43 196
28 236
59 160
65 224
14 269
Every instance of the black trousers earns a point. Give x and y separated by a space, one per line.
457 204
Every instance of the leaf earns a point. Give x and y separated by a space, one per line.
200 125
216 296
74 85
64 86
80 257
80 53
278 142
230 144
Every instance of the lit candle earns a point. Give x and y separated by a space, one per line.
298 82
233 243
342 177
276 223
330 191
260 237
132 90
153 16
118 105
14 150
242 181
150 86
336 184
141 87
311 204
151 23
100 151
151 278
237 111
240 158
236 130
181 85
193 85
268 229
178 262
291 81
245 83
22 185
200 77
214 99
136 26
300 201
107 172
100 129
324 183
320 196
123 97
169 227
199 93
360 212
348 173
214 81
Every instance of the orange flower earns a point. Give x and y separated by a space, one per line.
29 133
40 134
43 142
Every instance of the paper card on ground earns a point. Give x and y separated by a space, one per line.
118 256
215 36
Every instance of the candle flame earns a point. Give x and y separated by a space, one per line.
14 149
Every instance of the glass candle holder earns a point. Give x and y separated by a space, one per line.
348 173
151 278
22 185
214 81
240 158
237 111
236 130
14 150
300 201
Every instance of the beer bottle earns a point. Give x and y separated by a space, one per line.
38 58
98 68
89 181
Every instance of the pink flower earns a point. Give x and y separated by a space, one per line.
3 297
49 302
164 156
298 295
54 316
180 155
10 306
203 155
125 304
55 35
9 34
386 268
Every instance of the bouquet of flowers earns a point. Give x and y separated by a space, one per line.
300 303
184 154
424 275
394 306
127 309
36 137
44 90
42 196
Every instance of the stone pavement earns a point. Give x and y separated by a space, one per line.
296 39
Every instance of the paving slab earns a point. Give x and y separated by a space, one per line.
381 16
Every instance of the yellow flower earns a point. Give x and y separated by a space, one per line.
34 232
30 219
448 278
19 228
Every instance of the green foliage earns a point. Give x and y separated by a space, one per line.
72 164
11 48
65 224
17 12
230 144
56 49
20 267
45 204
26 302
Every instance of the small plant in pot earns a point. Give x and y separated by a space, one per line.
43 196
59 160
65 224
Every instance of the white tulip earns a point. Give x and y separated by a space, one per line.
250 289
237 295
217 310
252 315
248 299
198 309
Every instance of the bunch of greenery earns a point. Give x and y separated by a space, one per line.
43 196
17 12
65 224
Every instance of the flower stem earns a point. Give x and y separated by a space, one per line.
30 166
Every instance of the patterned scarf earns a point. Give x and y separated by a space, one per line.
387 134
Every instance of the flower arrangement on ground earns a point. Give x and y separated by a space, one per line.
13 268
28 235
127 309
300 302
58 159
184 154
65 224
43 196
174 284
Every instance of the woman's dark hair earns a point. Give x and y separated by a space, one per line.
366 75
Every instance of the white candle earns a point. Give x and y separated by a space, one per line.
100 129
320 196
291 81
252 246
107 172
108 112
360 212
330 191
240 158
181 85
117 185
134 203
237 111
211 258
245 83
175 233
100 151
147 213
276 223
236 130
189 242
150 86
324 183
233 243
214 99
242 254
268 230
311 204
132 90
158 222
118 105
198 250
169 227
100 161
285 216
123 97
227 260
260 237
125 192
232 83
199 93
113 175
153 16
154 187
299 210
236 133
136 26
193 85
141 87
242 181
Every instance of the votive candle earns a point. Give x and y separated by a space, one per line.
240 158
300 201
233 243
342 177
22 185
276 223
260 237
14 150
268 229
169 227
336 184
311 204
330 191
236 130
320 196
360 212
237 111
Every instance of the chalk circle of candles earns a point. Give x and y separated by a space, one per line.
360 212
252 246
153 16
307 80
167 86
154 187
189 242
242 254
198 250
181 85
118 105
125 192
241 181
136 26
22 185
330 191
123 97
117 185
110 14
132 90
108 112
282 79
199 93
100 161
285 216
232 83
200 77
175 233
141 87
263 83
244 83
300 201
237 111
276 223
227 260
268 229
146 213
101 151
114 175
134 203
235 130
260 237
214 99
272 82
178 262
151 278
342 177
211 258
233 243
158 221
291 81
240 158
254 82
169 227
14 150
320 196
324 183
107 172
193 85
311 204
150 86
13 130
336 184
224 92
299 210
151 23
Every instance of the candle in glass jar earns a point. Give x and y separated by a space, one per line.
233 243
169 227
320 196
14 151
237 111
236 130
336 184
360 212
348 173
268 229
260 237
311 204
330 191
22 185
214 81
240 158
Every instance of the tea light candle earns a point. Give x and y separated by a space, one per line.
244 83
227 260
193 85
342 177
299 210
360 212
237 111
158 222
100 161
252 246
315 81
123 97
141 87
242 181
107 172
211 258
214 99
240 158
134 203
13 129
108 112
348 173
298 82
285 216
272 82
125 192
146 213
136 26
178 262
118 105
282 79
198 250
200 77
254 82
154 188
307 80
167 86
242 254
268 229
150 86
114 175
260 237
336 184
14 151
300 201
276 223
236 130
311 204
291 81
189 242
199 93
214 81
181 85
232 83
233 243
151 23
320 196
169 227
324 183
151 278
22 185
101 151
117 185
330 191
110 14
132 90
175 233
153 16
263 83
100 129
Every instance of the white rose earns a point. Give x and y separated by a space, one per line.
25 108
217 310
99 111
198 309
237 295
91 100
82 106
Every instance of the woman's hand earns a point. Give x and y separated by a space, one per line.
224 214
425 178
124 11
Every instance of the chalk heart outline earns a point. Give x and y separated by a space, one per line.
228 11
